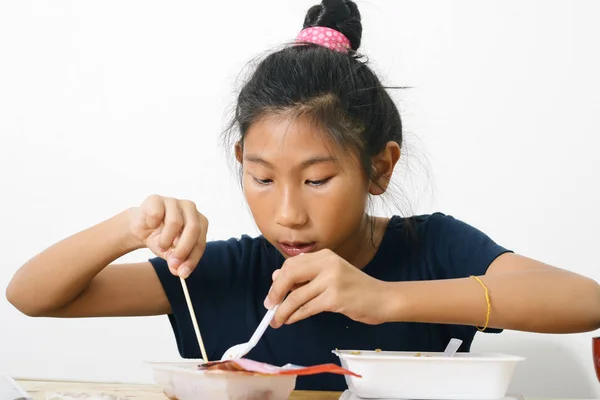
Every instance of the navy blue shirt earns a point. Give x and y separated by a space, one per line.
234 276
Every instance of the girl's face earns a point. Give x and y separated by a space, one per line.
303 194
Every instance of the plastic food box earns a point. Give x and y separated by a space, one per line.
410 375
183 381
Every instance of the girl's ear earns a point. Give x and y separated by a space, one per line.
239 152
383 168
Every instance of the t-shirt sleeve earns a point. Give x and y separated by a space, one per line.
462 250
218 294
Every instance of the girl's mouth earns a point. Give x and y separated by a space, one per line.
294 248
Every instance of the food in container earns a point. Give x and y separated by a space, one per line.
242 379
428 375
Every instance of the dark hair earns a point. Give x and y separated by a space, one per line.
336 90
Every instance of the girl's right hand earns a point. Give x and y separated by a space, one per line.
172 229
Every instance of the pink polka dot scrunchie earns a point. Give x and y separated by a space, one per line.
326 37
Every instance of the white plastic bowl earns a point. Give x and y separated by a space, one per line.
411 375
183 381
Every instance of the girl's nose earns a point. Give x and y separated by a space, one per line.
291 212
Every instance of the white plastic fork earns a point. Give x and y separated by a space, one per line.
452 347
240 350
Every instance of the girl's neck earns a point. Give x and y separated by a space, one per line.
362 247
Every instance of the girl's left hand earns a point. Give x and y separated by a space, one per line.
323 281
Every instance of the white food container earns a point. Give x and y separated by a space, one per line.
410 375
183 381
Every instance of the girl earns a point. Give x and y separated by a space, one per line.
318 135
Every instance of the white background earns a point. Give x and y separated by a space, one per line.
104 103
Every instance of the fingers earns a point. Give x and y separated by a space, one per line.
186 268
175 230
173 222
153 211
192 229
296 303
295 271
192 242
314 306
274 276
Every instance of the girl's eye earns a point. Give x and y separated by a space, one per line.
319 182
263 181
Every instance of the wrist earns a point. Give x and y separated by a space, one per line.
395 302
120 225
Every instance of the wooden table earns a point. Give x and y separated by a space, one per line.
39 389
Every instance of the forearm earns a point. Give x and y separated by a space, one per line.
538 300
60 273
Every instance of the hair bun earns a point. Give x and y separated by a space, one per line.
341 15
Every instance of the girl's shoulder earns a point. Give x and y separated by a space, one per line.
434 224
440 243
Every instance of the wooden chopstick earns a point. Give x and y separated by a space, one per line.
193 316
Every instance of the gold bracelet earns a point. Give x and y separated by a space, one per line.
487 300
